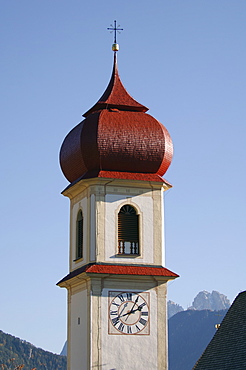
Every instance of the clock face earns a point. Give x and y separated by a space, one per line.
128 313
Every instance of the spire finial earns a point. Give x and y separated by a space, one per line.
115 46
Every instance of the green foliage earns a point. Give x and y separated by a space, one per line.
15 352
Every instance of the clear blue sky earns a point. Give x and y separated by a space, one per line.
186 61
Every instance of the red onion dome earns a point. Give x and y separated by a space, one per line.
117 139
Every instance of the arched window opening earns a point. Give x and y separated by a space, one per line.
79 235
128 231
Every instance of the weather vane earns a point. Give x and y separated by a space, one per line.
115 46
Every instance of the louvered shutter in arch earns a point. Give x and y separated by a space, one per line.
128 230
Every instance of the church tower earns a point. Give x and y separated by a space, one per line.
114 161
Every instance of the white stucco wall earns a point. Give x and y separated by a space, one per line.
92 243
100 207
144 205
163 229
125 352
79 331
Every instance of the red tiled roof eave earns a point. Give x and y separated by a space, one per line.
120 269
130 270
121 176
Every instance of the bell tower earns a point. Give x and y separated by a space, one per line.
114 161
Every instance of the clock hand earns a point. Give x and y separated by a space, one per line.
137 309
134 303
131 311
123 309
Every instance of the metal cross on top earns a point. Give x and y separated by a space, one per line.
115 29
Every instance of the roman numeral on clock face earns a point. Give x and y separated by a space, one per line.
141 305
121 327
145 313
115 320
121 297
129 296
142 321
114 313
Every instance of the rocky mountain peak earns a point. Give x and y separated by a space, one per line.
173 308
214 301
204 300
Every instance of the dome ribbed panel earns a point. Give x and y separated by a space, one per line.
168 149
130 142
89 142
71 157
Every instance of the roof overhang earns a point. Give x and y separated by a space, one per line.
104 269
